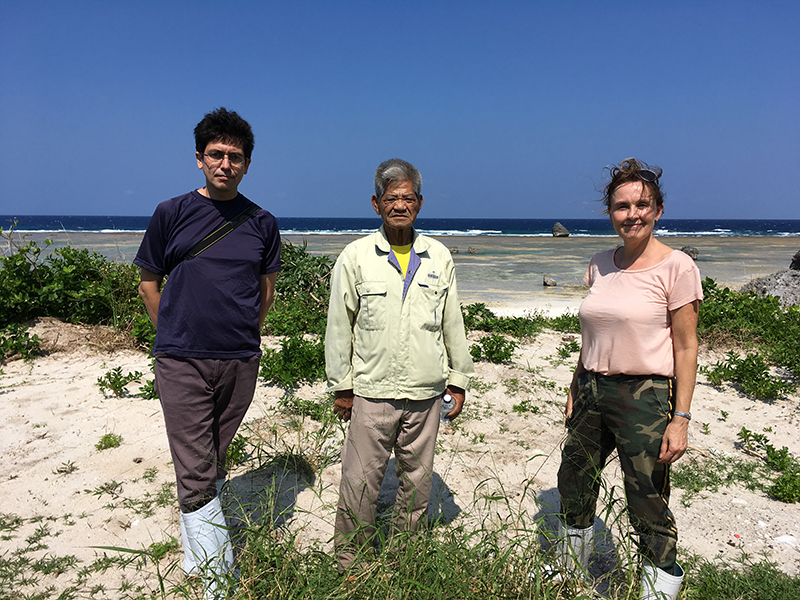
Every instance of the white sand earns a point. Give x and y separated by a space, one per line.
54 414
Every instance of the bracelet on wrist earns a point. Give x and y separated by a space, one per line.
685 415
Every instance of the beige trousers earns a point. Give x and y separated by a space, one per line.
378 426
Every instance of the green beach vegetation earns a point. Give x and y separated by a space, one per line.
760 328
109 440
501 557
116 382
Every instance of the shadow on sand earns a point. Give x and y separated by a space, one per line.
604 563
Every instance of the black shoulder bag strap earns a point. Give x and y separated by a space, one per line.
223 230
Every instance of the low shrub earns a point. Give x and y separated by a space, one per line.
567 348
567 322
751 373
314 409
479 318
20 282
786 487
79 286
116 382
296 316
302 291
148 390
143 330
76 286
298 360
727 317
777 472
15 340
525 407
494 347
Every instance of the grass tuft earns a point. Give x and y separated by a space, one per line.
109 440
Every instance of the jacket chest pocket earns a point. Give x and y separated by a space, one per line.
371 305
430 307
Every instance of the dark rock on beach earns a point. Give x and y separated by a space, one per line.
783 284
549 281
691 251
559 230
795 265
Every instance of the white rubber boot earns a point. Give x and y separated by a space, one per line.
660 585
190 564
210 545
189 561
574 548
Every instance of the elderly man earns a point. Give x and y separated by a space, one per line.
394 345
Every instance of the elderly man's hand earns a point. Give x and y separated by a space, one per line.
459 395
343 405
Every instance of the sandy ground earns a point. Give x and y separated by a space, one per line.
75 500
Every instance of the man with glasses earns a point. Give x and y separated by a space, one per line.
394 346
221 254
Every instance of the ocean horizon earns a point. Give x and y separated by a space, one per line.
478 227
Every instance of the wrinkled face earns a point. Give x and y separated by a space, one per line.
633 216
398 207
224 166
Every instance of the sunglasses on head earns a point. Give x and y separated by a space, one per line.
647 175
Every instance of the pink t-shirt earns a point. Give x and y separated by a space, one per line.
625 322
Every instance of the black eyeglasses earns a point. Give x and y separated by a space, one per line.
215 158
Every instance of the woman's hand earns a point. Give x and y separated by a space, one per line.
573 389
675 441
570 395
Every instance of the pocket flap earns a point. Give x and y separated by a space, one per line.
434 290
371 288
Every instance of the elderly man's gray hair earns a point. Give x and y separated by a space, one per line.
393 170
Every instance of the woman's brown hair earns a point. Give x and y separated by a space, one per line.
632 169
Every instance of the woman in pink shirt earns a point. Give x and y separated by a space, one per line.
632 389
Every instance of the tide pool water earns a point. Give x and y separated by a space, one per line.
508 270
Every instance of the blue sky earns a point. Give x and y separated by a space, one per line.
509 109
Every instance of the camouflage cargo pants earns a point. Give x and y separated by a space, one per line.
629 414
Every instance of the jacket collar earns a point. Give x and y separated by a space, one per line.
418 242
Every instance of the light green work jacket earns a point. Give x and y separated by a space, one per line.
383 344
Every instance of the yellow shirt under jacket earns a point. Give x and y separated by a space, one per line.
383 344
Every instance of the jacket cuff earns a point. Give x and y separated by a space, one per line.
459 380
345 384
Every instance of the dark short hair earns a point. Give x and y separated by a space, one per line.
224 126
393 170
631 169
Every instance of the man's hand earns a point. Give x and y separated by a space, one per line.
675 441
343 405
459 395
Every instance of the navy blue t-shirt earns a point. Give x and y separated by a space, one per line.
209 304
